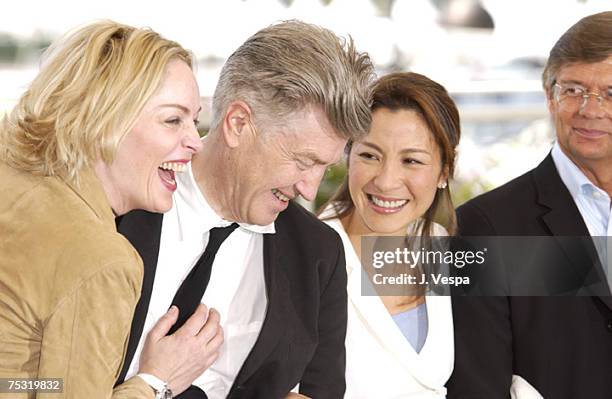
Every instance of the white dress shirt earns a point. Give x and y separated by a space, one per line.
593 204
236 288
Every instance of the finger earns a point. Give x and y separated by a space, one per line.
215 343
211 350
195 322
210 360
163 325
212 327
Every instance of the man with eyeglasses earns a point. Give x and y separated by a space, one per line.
550 346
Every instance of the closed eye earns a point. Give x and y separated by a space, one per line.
412 161
304 164
173 121
368 156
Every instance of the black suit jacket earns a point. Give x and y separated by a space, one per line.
561 345
302 337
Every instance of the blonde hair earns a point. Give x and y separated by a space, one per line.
292 64
91 88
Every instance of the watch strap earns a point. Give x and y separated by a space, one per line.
160 387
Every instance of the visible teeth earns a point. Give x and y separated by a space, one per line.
280 195
387 204
174 166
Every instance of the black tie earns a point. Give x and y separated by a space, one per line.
190 293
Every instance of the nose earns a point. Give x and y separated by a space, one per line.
192 141
308 186
387 178
592 109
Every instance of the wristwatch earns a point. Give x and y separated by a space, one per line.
162 391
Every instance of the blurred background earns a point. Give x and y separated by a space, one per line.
489 54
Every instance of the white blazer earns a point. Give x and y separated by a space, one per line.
380 362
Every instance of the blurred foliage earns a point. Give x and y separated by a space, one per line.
331 181
463 191
14 51
8 48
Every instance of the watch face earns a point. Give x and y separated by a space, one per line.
165 393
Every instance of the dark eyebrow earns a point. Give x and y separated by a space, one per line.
179 106
413 150
371 145
404 151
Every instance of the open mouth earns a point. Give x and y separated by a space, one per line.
167 172
386 205
280 195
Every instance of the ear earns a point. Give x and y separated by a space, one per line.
550 101
443 179
236 123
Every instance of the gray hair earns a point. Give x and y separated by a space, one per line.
292 64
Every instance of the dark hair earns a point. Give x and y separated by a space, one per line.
412 91
588 40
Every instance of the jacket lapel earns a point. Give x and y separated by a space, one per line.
143 230
275 321
424 366
373 315
371 311
563 219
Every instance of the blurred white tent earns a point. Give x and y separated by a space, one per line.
411 37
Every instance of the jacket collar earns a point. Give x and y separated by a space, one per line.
424 366
89 189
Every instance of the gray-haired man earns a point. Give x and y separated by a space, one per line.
286 103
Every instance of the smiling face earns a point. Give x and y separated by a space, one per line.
393 173
162 141
280 164
584 132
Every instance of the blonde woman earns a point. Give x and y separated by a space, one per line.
398 346
102 129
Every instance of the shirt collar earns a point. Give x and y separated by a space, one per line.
573 178
196 217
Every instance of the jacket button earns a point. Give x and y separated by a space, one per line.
609 326
238 389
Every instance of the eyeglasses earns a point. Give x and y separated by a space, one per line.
574 94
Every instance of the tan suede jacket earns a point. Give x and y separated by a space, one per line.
68 287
